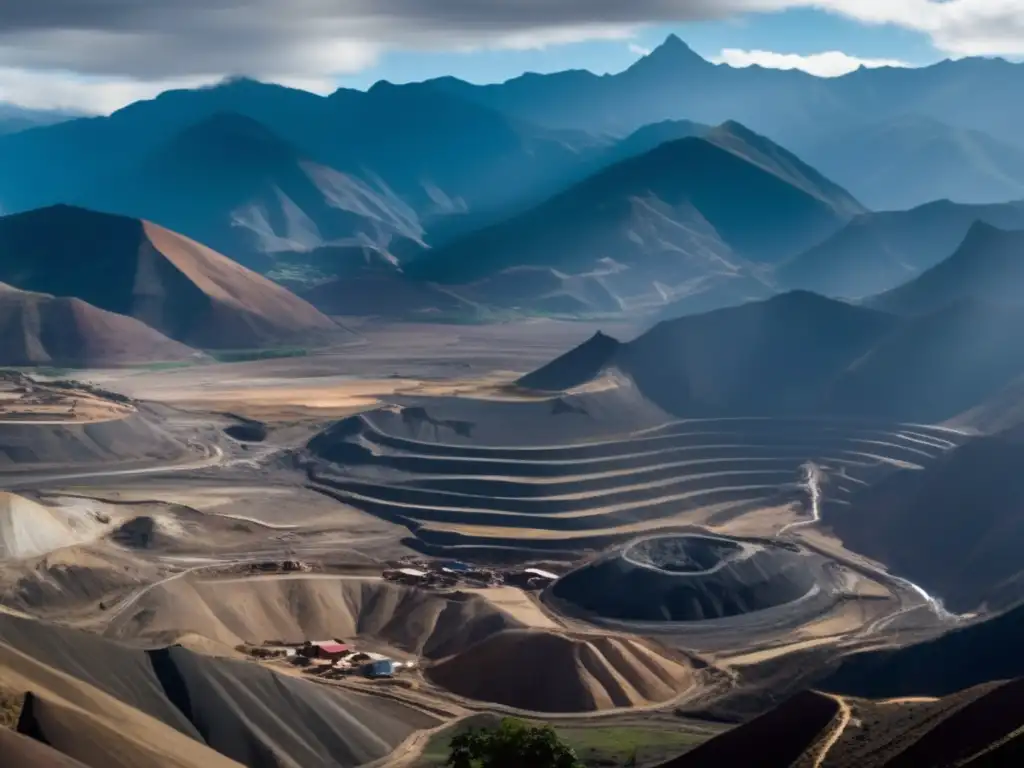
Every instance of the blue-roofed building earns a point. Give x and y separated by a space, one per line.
381 668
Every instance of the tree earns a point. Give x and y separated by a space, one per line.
514 744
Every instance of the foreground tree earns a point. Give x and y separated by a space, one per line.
514 744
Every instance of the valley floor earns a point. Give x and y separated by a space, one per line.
278 498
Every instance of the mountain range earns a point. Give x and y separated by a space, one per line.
402 170
651 198
691 215
14 118
801 354
790 106
876 252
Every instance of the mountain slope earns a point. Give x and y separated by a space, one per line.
38 329
574 673
94 699
975 653
978 727
988 266
935 366
770 357
766 154
879 251
176 286
902 162
799 353
230 182
435 152
442 153
14 118
954 527
681 219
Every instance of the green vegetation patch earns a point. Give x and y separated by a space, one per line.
608 746
245 355
628 744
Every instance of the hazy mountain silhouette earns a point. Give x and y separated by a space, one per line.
908 160
770 357
988 266
879 251
934 366
436 151
172 284
674 221
14 118
799 353
807 114
233 184
649 137
791 106
443 153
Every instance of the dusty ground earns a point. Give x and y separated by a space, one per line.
162 550
413 358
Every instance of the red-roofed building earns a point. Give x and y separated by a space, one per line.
332 650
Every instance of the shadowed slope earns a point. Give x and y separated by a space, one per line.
174 285
232 183
774 740
975 653
961 515
769 357
988 266
879 251
977 727
802 354
577 366
763 152
935 366
693 185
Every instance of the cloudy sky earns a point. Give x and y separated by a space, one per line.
97 55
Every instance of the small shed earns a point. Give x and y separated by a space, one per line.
380 668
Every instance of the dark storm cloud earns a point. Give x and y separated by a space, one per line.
158 38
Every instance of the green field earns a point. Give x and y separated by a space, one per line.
608 746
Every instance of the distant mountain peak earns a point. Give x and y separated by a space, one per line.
672 54
674 43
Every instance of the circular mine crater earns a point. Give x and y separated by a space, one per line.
683 554
690 578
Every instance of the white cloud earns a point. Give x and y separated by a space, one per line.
824 64
138 46
639 50
957 27
65 90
